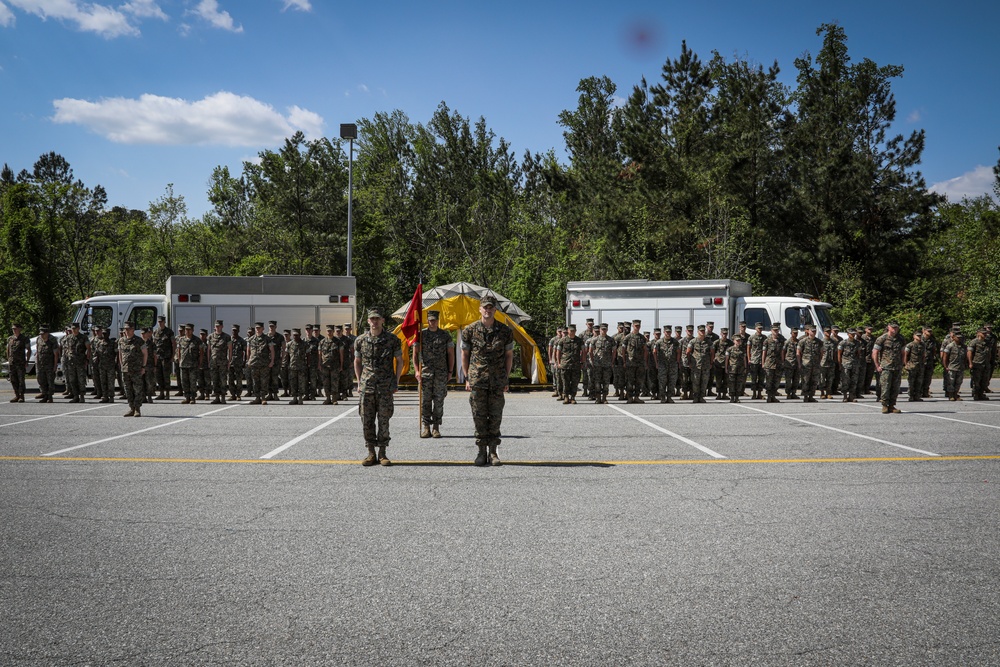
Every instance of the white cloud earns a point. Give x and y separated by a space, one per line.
973 183
209 10
88 17
914 116
301 5
6 16
144 9
363 88
220 119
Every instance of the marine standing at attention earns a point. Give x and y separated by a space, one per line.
375 352
434 360
487 357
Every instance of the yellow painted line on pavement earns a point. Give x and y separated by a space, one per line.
539 463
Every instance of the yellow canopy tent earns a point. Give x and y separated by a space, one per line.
462 310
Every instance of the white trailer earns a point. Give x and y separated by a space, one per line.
682 302
293 301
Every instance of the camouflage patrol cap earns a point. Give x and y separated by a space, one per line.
96 327
433 314
489 300
758 325
272 323
826 329
286 331
710 324
810 327
376 311
162 318
235 327
73 325
309 327
724 330
635 322
204 332
678 328
572 327
219 323
851 331
690 327
835 327
928 327
298 332
775 327
868 326
129 324
590 320
43 328
348 326
920 332
701 327
894 325
657 330
256 324
340 327
16 325
743 323
646 334
604 325
147 330
330 327
189 326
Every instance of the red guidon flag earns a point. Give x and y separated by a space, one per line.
414 316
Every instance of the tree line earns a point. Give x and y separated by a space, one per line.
714 170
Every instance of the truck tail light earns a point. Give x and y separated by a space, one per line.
345 299
718 301
576 303
183 298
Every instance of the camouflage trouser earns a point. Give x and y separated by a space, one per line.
849 383
433 390
719 374
571 376
869 373
618 373
554 373
809 379
585 379
772 377
189 382
76 379
699 381
376 407
107 383
203 382
312 382
859 387
600 378
928 376
261 377
791 378
17 379
953 382
297 385
686 379
889 381
829 378
46 381
487 413
163 369
347 377
980 379
633 380
838 371
219 372
652 383
330 377
736 382
667 378
248 379
273 382
135 386
756 377
283 376
236 380
915 382
148 381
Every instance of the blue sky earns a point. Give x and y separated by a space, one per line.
137 94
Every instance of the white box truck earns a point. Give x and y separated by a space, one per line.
682 302
293 301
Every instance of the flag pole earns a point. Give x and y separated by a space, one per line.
420 383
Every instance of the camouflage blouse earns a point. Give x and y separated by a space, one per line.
377 354
488 348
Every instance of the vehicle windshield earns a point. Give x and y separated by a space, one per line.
823 314
94 316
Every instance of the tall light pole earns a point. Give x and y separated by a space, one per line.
349 131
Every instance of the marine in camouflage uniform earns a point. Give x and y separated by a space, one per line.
77 354
313 386
685 369
745 335
736 368
569 355
283 365
188 358
666 350
375 352
652 384
237 364
953 356
165 346
348 376
914 361
888 351
297 352
754 353
247 373
219 352
487 357
601 355
978 357
618 369
994 353
47 352
149 377
810 354
849 353
203 368
434 359
273 379
699 355
553 368
931 351
771 362
260 360
587 334
712 339
634 349
791 365
132 356
720 348
330 359
828 362
869 371
18 354
834 387
99 349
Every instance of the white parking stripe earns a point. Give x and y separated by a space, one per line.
61 414
144 430
950 419
305 435
686 441
840 430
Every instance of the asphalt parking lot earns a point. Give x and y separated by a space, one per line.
715 534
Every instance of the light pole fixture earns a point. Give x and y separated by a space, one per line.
349 131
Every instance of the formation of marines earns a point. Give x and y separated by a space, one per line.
669 365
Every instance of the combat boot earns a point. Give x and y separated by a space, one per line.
294 401
425 431
494 457
481 459
328 401
371 459
435 431
555 394
222 399
137 413
130 413
383 460
215 401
